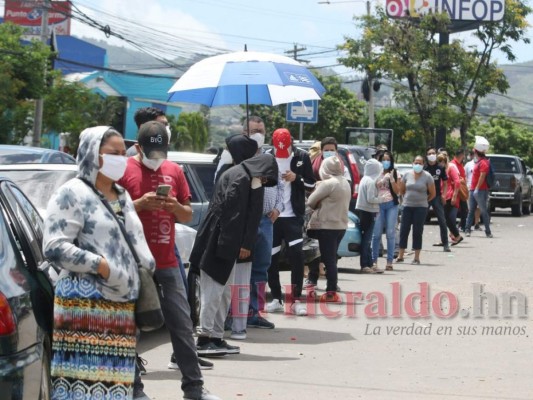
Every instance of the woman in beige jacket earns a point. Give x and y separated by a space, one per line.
329 221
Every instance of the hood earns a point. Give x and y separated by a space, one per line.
373 168
88 150
263 165
331 166
241 147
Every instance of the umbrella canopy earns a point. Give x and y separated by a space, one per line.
246 77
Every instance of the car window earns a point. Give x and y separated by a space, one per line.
206 173
192 187
504 164
11 263
19 158
55 159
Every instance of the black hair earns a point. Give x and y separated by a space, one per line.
459 151
252 118
147 114
109 134
380 158
431 148
328 140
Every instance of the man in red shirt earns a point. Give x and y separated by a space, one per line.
479 190
145 172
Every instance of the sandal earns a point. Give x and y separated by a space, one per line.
389 268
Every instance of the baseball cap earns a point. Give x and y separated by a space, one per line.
282 140
153 139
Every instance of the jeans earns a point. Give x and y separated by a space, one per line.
387 218
262 255
463 206
438 207
480 200
415 216
177 313
366 225
451 217
328 241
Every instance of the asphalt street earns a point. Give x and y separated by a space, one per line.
376 346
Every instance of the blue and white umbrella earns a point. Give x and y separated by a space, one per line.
246 77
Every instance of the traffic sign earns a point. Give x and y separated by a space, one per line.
304 112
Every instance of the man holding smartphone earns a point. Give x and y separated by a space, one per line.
146 173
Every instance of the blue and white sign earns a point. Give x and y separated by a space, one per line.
304 112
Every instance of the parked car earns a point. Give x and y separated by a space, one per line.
512 188
13 154
26 299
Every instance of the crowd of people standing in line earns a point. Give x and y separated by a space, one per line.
98 223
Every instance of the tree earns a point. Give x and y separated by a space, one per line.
441 84
191 130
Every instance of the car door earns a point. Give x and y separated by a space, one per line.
30 293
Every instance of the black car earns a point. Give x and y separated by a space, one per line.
26 299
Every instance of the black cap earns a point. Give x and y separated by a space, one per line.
153 139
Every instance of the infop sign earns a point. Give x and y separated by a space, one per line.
458 10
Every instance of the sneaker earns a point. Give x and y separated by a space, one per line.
467 233
330 297
477 227
141 362
139 395
309 283
274 306
228 348
489 235
258 321
203 364
446 249
299 309
368 270
205 395
240 335
210 349
377 270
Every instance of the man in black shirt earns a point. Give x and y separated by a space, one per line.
438 173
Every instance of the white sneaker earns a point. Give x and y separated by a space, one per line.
299 309
274 306
241 335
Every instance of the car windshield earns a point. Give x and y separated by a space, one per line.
504 164
10 156
39 185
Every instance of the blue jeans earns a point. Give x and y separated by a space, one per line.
480 200
366 225
262 255
386 219
438 207
415 216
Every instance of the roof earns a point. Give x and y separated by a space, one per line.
188 157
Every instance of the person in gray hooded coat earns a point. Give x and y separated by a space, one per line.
366 208
93 351
226 234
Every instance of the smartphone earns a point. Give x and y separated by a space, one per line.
163 190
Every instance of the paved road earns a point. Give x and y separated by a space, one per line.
359 356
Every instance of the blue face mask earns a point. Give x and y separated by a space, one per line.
386 164
327 154
417 168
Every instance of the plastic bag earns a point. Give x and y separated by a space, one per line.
184 240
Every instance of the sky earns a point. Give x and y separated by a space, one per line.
170 28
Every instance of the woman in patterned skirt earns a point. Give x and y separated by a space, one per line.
94 324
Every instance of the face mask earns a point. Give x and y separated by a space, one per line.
386 164
225 157
476 159
152 164
169 133
327 154
417 168
259 138
114 166
432 158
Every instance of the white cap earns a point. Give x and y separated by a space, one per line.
481 144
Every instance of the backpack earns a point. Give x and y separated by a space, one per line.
490 178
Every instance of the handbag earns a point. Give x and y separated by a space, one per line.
148 313
463 190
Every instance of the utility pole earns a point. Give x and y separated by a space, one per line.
370 83
294 53
39 103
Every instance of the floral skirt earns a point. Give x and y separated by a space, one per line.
93 348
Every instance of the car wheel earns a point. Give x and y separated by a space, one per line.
193 296
516 209
526 209
46 393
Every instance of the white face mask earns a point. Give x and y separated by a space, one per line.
432 158
114 166
225 157
152 164
259 138
169 133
